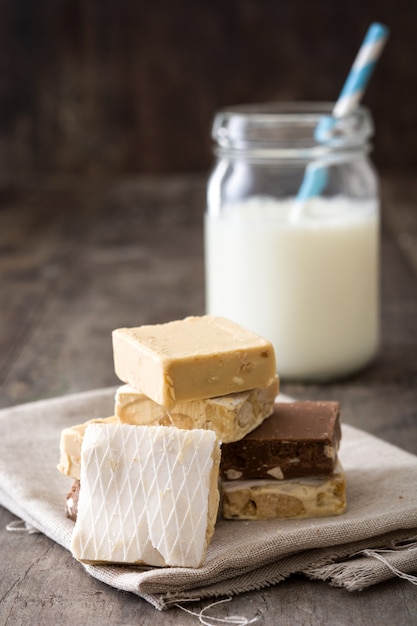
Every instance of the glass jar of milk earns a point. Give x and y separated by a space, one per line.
301 272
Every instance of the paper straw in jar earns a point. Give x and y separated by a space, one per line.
315 178
361 70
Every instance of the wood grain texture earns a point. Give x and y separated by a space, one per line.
102 88
78 259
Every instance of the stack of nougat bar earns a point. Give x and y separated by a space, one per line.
287 467
146 487
146 478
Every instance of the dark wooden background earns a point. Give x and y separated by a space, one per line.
101 88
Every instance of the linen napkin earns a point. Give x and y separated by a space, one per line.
374 540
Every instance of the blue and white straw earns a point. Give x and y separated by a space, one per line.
361 70
315 178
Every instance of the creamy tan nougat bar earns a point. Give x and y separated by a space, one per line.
192 359
259 499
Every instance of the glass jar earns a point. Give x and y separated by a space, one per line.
299 269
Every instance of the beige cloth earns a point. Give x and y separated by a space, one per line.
382 514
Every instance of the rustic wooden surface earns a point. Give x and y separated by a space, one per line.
78 260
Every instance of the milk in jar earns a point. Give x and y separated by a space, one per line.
309 284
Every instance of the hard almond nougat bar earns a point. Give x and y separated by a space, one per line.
298 439
231 417
70 445
148 495
192 359
294 498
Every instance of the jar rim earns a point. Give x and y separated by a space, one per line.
287 125
288 110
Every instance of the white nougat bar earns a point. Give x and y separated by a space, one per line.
231 417
148 495
297 498
191 359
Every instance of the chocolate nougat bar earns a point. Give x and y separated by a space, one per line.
298 439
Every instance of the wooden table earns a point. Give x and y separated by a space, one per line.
79 259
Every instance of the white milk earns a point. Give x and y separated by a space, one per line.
310 287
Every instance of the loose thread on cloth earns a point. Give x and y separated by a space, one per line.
377 555
236 620
20 526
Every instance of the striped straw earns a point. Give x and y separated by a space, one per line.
315 178
361 70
